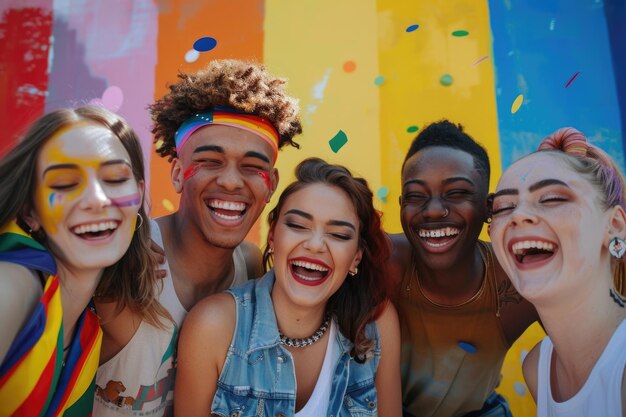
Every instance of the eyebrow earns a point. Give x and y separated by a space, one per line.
536 186
445 182
330 222
219 149
76 166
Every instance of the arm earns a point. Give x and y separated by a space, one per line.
388 374
201 354
254 259
529 369
20 291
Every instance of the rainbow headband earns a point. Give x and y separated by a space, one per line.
228 117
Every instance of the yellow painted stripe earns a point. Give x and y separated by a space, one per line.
413 95
309 42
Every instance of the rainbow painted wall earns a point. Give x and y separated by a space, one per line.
511 71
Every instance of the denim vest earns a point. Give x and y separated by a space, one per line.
258 377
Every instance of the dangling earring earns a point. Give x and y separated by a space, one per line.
353 273
617 247
140 222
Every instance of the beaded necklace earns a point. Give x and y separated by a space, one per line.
306 341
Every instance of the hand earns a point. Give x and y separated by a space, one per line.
159 254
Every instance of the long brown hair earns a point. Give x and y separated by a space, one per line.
362 297
132 281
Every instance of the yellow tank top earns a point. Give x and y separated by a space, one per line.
451 355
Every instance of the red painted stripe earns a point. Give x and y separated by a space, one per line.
25 39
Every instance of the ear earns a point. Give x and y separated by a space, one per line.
177 175
31 219
357 259
617 225
141 185
274 177
270 238
400 200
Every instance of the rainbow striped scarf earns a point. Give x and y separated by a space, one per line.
34 379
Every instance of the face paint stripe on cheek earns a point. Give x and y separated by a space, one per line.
191 170
127 201
266 177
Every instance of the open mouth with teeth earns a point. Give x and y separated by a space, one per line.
227 210
530 251
95 231
308 272
439 238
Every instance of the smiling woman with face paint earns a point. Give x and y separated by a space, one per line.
558 231
315 335
71 206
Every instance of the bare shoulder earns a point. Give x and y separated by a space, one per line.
216 313
530 371
401 250
20 291
119 325
254 259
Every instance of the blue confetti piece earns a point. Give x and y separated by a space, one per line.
205 44
379 80
382 193
467 346
412 28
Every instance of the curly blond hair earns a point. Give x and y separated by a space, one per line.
241 85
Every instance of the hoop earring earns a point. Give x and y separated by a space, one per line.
617 247
353 273
445 213
140 222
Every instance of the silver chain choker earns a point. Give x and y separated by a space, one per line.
306 341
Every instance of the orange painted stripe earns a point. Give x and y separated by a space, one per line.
180 25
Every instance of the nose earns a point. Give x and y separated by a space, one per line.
230 179
522 214
94 196
315 242
435 209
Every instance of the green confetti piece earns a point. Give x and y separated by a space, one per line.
446 80
379 80
412 129
382 193
460 33
338 141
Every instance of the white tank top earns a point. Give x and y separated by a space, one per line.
139 380
601 395
320 397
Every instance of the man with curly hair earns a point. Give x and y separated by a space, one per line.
221 129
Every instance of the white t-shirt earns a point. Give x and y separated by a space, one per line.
139 380
601 395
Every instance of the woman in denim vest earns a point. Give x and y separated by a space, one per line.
315 336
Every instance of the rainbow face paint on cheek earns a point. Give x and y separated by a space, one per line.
127 201
266 177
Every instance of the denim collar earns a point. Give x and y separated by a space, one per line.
264 333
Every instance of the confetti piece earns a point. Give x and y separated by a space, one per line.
572 79
379 80
205 44
466 346
158 144
517 104
446 80
522 355
552 24
519 388
412 129
382 193
460 33
167 204
481 60
112 98
412 28
349 66
338 141
192 55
